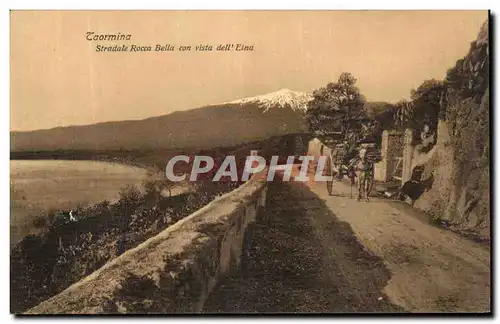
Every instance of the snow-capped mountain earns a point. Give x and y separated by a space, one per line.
224 124
282 98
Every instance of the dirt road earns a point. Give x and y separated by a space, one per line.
432 269
322 253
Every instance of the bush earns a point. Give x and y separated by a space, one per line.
51 215
130 194
101 232
40 222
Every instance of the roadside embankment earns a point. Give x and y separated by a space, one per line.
174 271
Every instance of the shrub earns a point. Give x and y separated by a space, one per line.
40 222
51 215
130 194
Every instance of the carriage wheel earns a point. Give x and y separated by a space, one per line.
329 183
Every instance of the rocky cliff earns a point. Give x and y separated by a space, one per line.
460 165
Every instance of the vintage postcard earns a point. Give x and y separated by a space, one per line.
242 162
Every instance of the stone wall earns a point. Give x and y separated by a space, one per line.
174 271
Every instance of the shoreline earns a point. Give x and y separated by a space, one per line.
147 167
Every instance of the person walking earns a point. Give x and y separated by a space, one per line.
364 170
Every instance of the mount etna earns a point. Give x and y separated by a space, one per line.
225 124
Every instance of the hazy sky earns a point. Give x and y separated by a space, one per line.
58 79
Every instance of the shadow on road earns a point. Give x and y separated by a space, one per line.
304 259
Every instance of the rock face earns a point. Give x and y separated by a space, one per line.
460 163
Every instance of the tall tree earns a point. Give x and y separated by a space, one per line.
336 107
424 107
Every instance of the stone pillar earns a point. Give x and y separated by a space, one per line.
381 173
391 149
407 155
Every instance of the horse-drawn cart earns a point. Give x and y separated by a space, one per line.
341 158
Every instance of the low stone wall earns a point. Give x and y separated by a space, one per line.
174 271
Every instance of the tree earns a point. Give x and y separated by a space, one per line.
338 106
382 114
404 114
374 109
152 190
155 185
424 107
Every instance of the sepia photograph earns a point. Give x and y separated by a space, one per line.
250 162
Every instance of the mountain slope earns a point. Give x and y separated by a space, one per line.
217 125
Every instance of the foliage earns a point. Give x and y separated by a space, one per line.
423 108
155 185
371 132
40 222
469 77
337 106
129 196
51 215
45 264
375 108
382 113
404 112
